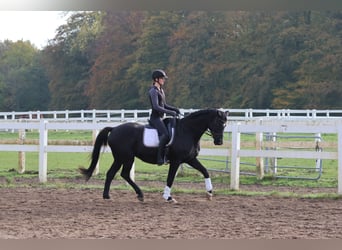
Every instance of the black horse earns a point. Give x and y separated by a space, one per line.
126 142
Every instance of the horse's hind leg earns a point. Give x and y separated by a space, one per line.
109 177
125 173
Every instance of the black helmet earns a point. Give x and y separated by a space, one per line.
158 73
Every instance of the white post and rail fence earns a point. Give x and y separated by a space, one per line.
257 125
123 115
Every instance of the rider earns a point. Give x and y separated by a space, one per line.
159 109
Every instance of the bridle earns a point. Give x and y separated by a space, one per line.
213 134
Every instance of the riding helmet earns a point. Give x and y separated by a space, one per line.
158 73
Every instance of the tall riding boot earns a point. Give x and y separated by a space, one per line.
161 149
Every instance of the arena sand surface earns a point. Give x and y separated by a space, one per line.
81 213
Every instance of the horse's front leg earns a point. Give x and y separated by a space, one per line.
208 186
170 178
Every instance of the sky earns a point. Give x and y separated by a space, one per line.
36 26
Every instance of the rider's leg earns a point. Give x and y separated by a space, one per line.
163 139
173 126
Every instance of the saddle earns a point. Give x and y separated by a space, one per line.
150 135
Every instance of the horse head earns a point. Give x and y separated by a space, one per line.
217 125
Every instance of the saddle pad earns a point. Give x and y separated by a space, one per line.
150 138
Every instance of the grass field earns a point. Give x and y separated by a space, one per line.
65 165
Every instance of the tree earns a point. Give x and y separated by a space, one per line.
199 60
68 59
23 84
317 82
110 86
152 51
237 59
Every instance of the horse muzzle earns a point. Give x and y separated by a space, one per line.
218 141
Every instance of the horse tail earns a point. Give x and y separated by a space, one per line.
101 140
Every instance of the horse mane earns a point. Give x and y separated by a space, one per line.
192 119
199 113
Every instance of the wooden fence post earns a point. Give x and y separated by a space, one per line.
259 160
235 171
274 160
318 140
43 139
21 154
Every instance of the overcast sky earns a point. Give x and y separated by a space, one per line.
35 26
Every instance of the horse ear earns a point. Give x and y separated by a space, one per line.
222 113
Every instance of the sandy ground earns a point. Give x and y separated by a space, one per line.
69 213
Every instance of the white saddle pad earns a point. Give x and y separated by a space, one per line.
150 138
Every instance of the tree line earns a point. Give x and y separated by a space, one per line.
230 59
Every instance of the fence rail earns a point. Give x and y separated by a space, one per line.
142 115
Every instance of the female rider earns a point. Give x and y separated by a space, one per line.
159 109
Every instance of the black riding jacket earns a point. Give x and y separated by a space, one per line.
158 104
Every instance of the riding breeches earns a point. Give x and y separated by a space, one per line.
159 125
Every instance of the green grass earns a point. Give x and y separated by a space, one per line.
65 165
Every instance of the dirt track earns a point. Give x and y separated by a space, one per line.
40 212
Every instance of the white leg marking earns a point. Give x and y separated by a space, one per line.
167 192
208 185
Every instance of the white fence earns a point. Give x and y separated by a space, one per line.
283 126
43 148
266 124
142 115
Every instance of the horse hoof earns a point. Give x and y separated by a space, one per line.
140 198
106 197
209 195
171 200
